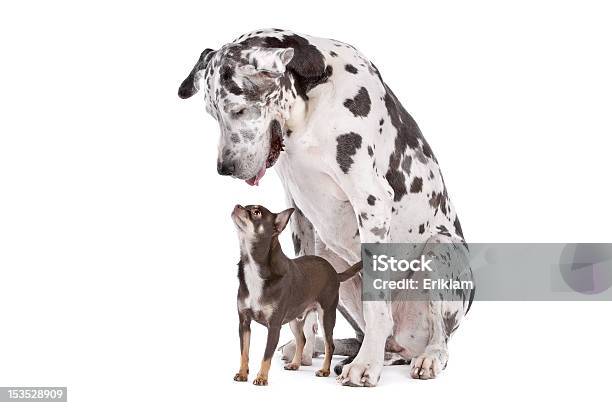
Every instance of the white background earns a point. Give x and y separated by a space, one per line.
117 255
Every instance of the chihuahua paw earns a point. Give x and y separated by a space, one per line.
322 373
292 366
260 381
241 377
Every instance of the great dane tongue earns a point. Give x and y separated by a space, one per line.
254 181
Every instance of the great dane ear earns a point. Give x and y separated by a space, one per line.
191 84
281 220
272 61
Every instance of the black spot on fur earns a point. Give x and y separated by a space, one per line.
442 230
307 65
350 68
438 201
347 146
380 232
333 54
421 228
397 181
417 185
450 323
370 151
371 199
407 164
297 244
434 201
418 153
408 134
427 150
360 104
458 229
227 80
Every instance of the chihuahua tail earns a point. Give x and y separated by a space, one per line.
350 272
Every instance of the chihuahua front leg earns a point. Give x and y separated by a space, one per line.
271 343
244 331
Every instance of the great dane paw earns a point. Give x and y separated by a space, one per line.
425 367
358 374
288 350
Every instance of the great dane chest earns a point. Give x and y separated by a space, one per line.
323 202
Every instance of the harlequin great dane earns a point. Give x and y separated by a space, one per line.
355 166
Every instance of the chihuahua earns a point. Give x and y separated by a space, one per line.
275 290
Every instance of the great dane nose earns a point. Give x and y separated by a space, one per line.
225 168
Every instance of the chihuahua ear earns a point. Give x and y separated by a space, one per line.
281 220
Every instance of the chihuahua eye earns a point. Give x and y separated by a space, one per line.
256 213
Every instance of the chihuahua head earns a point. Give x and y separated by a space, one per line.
257 227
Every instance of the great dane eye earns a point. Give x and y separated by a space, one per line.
240 112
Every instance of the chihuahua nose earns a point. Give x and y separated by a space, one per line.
225 169
237 209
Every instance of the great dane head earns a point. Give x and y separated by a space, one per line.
249 86
243 90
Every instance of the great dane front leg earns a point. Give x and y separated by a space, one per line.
371 199
433 359
365 369
445 314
